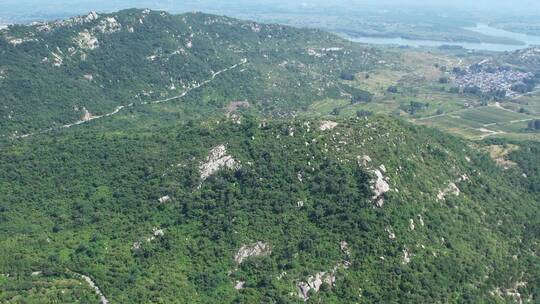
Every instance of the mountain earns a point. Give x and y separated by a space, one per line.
216 191
528 59
378 209
57 73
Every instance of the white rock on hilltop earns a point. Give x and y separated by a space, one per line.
18 41
108 25
86 41
253 250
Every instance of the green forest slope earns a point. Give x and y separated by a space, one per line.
152 158
447 225
58 73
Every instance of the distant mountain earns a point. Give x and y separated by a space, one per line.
52 73
528 58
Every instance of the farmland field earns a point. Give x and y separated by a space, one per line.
415 78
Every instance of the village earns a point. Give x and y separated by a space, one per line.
487 78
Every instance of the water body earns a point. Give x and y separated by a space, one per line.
528 40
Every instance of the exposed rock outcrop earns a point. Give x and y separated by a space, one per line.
87 116
164 199
327 125
411 224
451 189
406 257
391 234
315 282
86 41
363 160
239 285
253 250
421 220
512 292
380 187
156 233
57 59
217 160
18 41
344 246
108 25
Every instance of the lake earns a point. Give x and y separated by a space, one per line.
480 28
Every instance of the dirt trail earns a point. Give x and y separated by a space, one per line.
499 106
88 118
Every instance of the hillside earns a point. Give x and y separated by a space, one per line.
156 158
60 73
375 210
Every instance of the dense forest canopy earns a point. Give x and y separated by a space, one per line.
153 158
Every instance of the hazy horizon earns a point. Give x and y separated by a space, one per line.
61 8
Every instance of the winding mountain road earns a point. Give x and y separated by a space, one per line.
89 118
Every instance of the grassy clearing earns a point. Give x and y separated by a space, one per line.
499 154
501 151
490 115
326 106
378 81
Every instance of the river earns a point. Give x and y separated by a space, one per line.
480 28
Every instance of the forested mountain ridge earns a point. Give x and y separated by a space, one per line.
171 187
347 211
58 73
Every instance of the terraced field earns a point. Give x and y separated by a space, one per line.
416 77
481 122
